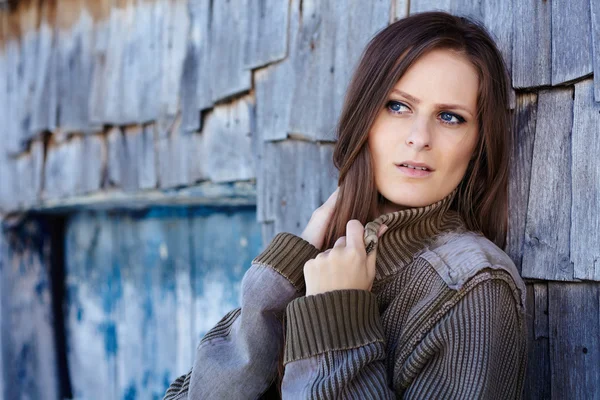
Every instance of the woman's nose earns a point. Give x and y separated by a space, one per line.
419 136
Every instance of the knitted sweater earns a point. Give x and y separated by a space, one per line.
445 318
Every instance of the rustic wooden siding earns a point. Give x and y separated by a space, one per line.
99 97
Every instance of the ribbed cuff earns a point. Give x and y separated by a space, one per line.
334 320
287 254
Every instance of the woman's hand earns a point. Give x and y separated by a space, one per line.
345 266
314 233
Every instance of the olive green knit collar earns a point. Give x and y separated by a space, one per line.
408 231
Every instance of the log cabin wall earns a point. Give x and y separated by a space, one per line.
126 99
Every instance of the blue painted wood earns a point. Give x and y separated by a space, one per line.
144 287
93 289
29 361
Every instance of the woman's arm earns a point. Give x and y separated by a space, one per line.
238 357
335 347
479 349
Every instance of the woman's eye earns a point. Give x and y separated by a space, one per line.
447 118
395 106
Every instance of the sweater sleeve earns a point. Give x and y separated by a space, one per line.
478 350
335 347
237 358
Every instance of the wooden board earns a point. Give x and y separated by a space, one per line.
227 75
45 95
401 9
585 175
94 289
571 40
273 89
28 346
179 155
329 43
532 46
227 148
547 230
74 167
574 327
267 27
537 381
75 45
173 45
220 263
29 170
595 14
520 173
103 54
200 14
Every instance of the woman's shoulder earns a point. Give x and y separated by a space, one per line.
459 255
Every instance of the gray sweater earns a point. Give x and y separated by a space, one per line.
445 319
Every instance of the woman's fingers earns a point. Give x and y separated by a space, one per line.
341 242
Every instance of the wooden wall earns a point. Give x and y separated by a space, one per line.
105 96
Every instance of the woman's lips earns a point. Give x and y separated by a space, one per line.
413 173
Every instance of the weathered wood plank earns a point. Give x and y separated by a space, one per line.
94 288
74 167
200 13
574 327
401 9
3 327
266 40
227 151
331 39
532 47
585 174
9 192
149 301
28 346
134 312
29 169
571 40
295 184
266 164
547 230
148 53
537 382
45 95
227 73
595 14
223 245
462 7
173 45
179 155
102 54
75 47
29 15
520 173
205 193
13 143
122 66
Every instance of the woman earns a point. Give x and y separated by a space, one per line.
421 302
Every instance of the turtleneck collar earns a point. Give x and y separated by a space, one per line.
408 231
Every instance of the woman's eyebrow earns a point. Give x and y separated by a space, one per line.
442 105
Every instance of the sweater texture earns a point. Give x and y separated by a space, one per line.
445 319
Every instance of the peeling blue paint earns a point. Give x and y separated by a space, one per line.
109 330
130 392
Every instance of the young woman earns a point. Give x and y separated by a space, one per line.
421 301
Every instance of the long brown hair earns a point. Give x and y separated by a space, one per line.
482 197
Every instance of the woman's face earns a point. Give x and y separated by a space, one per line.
413 127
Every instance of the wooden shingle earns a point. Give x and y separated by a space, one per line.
585 174
547 230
